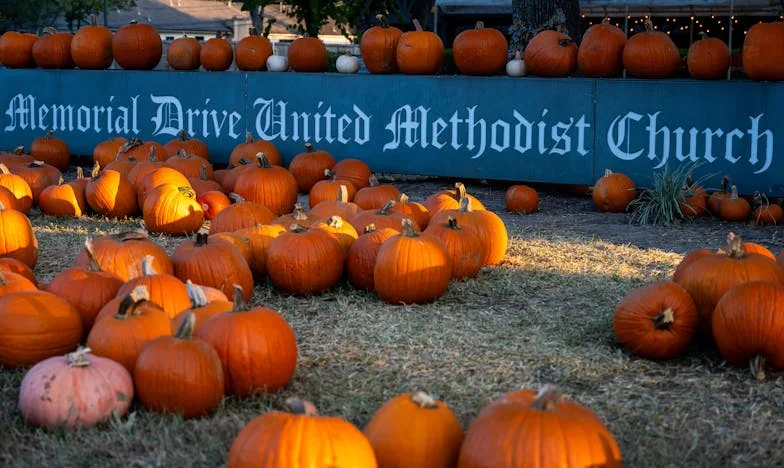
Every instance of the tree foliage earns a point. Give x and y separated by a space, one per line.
36 14
531 16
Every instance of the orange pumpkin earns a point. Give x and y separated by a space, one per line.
480 51
19 187
171 209
379 47
252 52
13 265
190 165
485 224
715 198
17 49
217 54
361 258
15 157
419 52
766 213
375 194
91 46
184 53
159 176
450 200
53 49
693 199
11 282
213 202
307 54
464 247
341 230
601 50
332 191
51 150
63 200
298 216
381 218
352 170
242 214
137 46
414 210
259 238
123 253
271 186
19 240
521 199
201 307
110 194
763 58
248 151
734 208
202 185
304 261
550 54
613 192
651 54
163 289
192 146
708 58
105 151
310 167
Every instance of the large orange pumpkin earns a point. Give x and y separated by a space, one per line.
16 49
651 54
708 59
242 214
51 150
268 185
601 50
465 247
53 49
305 261
18 238
23 194
450 200
123 253
252 52
419 52
310 167
184 53
550 54
192 146
137 46
763 56
379 47
480 51
217 54
171 209
307 54
361 258
91 47
163 289
250 148
110 194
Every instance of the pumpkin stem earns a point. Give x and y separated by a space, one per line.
243 161
36 163
93 20
182 154
382 20
252 31
547 399
369 228
408 228
49 30
417 25
147 267
725 181
606 20
2 206
297 228
236 198
263 161
734 195
465 205
518 55
664 320
388 205
203 172
196 295
49 134
185 332
424 400
92 264
19 150
335 222
299 213
248 137
460 191
3 278
564 42
735 246
757 365
79 357
309 148
201 239
96 170
403 198
60 181
302 407
131 301
452 223
480 25
238 299
648 25
343 194
4 169
373 180
153 155
79 172
129 145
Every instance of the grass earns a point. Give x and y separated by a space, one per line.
543 316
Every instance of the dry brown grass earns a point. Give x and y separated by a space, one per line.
543 316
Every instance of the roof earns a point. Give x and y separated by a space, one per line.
180 15
603 7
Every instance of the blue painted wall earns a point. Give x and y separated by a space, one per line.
529 129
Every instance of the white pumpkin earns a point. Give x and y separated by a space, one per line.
277 63
516 66
347 63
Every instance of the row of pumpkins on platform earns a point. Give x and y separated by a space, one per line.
733 297
604 51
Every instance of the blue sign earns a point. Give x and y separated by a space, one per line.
524 129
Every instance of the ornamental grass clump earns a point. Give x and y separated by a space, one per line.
664 202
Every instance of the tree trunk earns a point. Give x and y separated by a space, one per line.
531 16
255 19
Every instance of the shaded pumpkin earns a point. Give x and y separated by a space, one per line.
250 148
763 58
766 213
715 198
163 289
381 218
217 54
450 200
252 52
464 247
202 184
184 53
486 225
613 192
242 214
106 151
137 46
38 176
63 200
19 187
305 261
378 47
52 50
141 169
192 146
480 51
91 46
123 254
414 210
341 206
651 54
361 257
375 194
310 167
237 241
259 238
307 54
708 58
17 49
213 202
521 199
13 265
271 186
330 191
550 54
15 157
298 216
11 282
601 50
734 208
201 307
687 260
139 150
419 52
353 170
693 199
51 150
19 241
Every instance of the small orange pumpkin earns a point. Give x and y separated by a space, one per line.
521 199
480 51
601 50
651 54
379 47
550 54
217 54
252 52
184 53
310 167
708 58
613 192
419 52
137 46
307 54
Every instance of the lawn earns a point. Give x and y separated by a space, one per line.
542 316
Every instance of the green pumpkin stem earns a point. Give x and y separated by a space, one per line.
196 295
301 407
547 399
757 365
424 400
664 319
238 300
78 358
263 161
131 302
185 332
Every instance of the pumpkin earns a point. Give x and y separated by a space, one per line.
123 166
109 193
11 282
184 53
307 54
256 346
105 151
13 265
341 230
19 187
297 216
414 210
179 374
480 51
526 428
378 47
212 294
163 289
35 325
613 192
125 325
708 278
687 260
122 254
276 439
202 185
87 288
8 199
277 63
51 150
361 257
763 59
464 247
63 200
216 264
305 261
411 268
310 167
252 52
338 207
651 54
516 66
748 324
486 225
271 186
330 191
227 178
19 240
170 209
734 208
347 63
201 307
139 171
80 182
77 390
238 241
192 146
601 51
139 150
159 176
450 200
91 46
217 54
419 52
250 148
708 58
766 213
17 49
15 157
693 199
137 46
259 238
415 430
753 248
383 217
53 49
521 199
38 176
355 171
242 214
550 54
715 198
375 194
656 321
213 203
